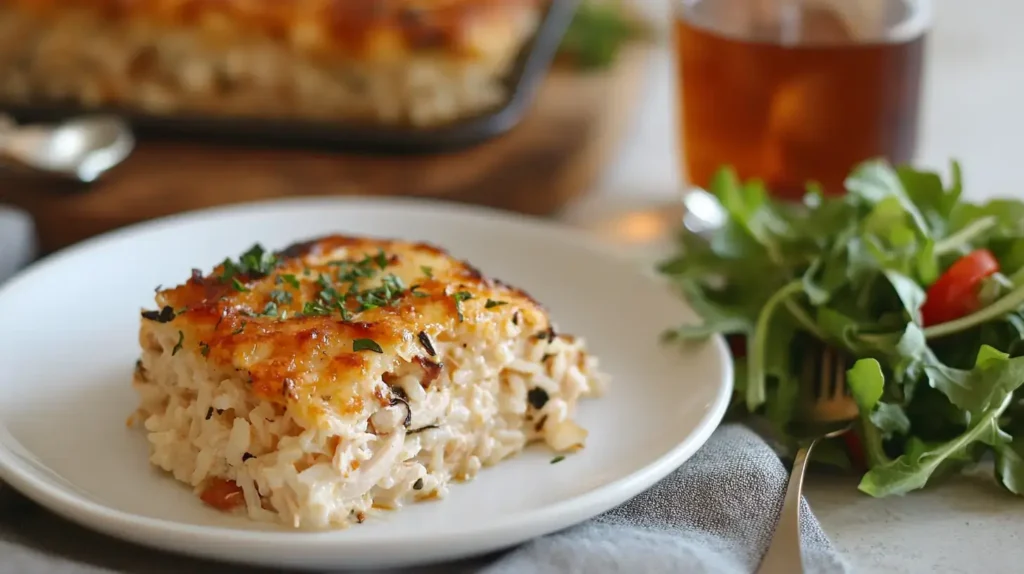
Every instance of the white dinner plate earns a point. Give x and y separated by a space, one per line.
69 328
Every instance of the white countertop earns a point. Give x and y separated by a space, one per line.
974 112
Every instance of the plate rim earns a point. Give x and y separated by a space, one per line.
503 532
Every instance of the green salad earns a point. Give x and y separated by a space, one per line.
921 290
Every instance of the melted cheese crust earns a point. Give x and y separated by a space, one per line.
309 363
367 29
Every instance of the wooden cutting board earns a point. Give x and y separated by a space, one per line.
551 158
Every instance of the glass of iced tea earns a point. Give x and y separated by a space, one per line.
798 91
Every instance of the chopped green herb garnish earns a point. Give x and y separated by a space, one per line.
557 459
428 271
270 309
394 283
239 330
328 300
238 285
459 298
204 350
417 293
281 297
335 292
181 340
313 309
229 271
256 262
290 279
353 271
388 293
492 304
366 345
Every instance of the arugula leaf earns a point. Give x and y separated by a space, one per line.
867 383
717 318
975 391
876 181
756 365
909 292
782 385
905 353
984 393
891 419
935 202
1009 461
912 470
1002 217
852 272
747 204
832 453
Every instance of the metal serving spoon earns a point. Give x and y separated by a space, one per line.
81 148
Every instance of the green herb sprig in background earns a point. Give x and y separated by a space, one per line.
597 34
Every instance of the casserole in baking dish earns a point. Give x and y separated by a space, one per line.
419 63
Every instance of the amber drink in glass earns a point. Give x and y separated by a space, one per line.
793 92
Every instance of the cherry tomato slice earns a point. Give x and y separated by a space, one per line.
222 494
955 293
855 449
738 345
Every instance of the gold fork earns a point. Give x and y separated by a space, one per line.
830 413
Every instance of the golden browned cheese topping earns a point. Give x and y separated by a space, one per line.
310 323
329 26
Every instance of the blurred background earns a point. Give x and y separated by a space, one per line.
599 112
967 111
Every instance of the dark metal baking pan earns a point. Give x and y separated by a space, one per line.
522 84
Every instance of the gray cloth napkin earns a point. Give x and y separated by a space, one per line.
714 514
